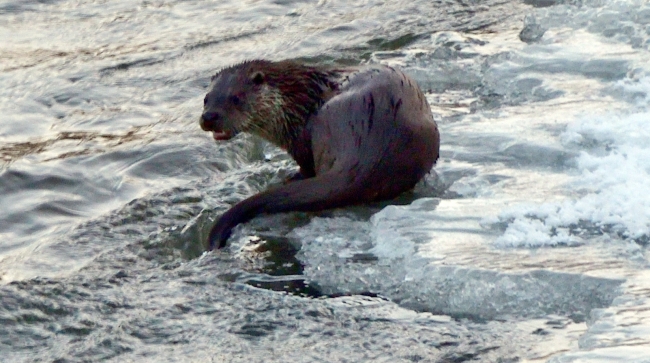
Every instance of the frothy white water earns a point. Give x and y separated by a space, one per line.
528 227
614 177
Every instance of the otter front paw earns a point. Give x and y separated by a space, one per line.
219 233
242 212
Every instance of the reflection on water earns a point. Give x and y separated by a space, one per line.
108 187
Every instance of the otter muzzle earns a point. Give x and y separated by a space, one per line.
209 121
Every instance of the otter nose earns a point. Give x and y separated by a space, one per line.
208 120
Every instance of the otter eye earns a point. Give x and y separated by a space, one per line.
234 100
258 78
205 101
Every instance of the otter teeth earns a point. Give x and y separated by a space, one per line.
221 135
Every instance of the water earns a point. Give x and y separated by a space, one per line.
528 242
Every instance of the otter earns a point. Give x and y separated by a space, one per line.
358 134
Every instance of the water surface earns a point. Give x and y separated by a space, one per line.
527 243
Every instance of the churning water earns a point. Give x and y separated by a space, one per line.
529 241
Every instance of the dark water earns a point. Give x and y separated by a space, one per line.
108 188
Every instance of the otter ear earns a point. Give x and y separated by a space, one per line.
257 78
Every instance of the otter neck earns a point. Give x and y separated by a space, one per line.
295 93
292 133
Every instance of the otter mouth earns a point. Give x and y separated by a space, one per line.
222 135
208 122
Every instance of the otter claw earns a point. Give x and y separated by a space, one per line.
222 229
219 234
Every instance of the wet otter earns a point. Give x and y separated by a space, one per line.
358 134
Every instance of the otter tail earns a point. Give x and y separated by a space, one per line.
329 190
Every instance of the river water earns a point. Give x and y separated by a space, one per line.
528 242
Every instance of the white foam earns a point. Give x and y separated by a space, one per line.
611 188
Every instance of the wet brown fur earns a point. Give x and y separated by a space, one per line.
358 134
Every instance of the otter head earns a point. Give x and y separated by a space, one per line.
240 99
